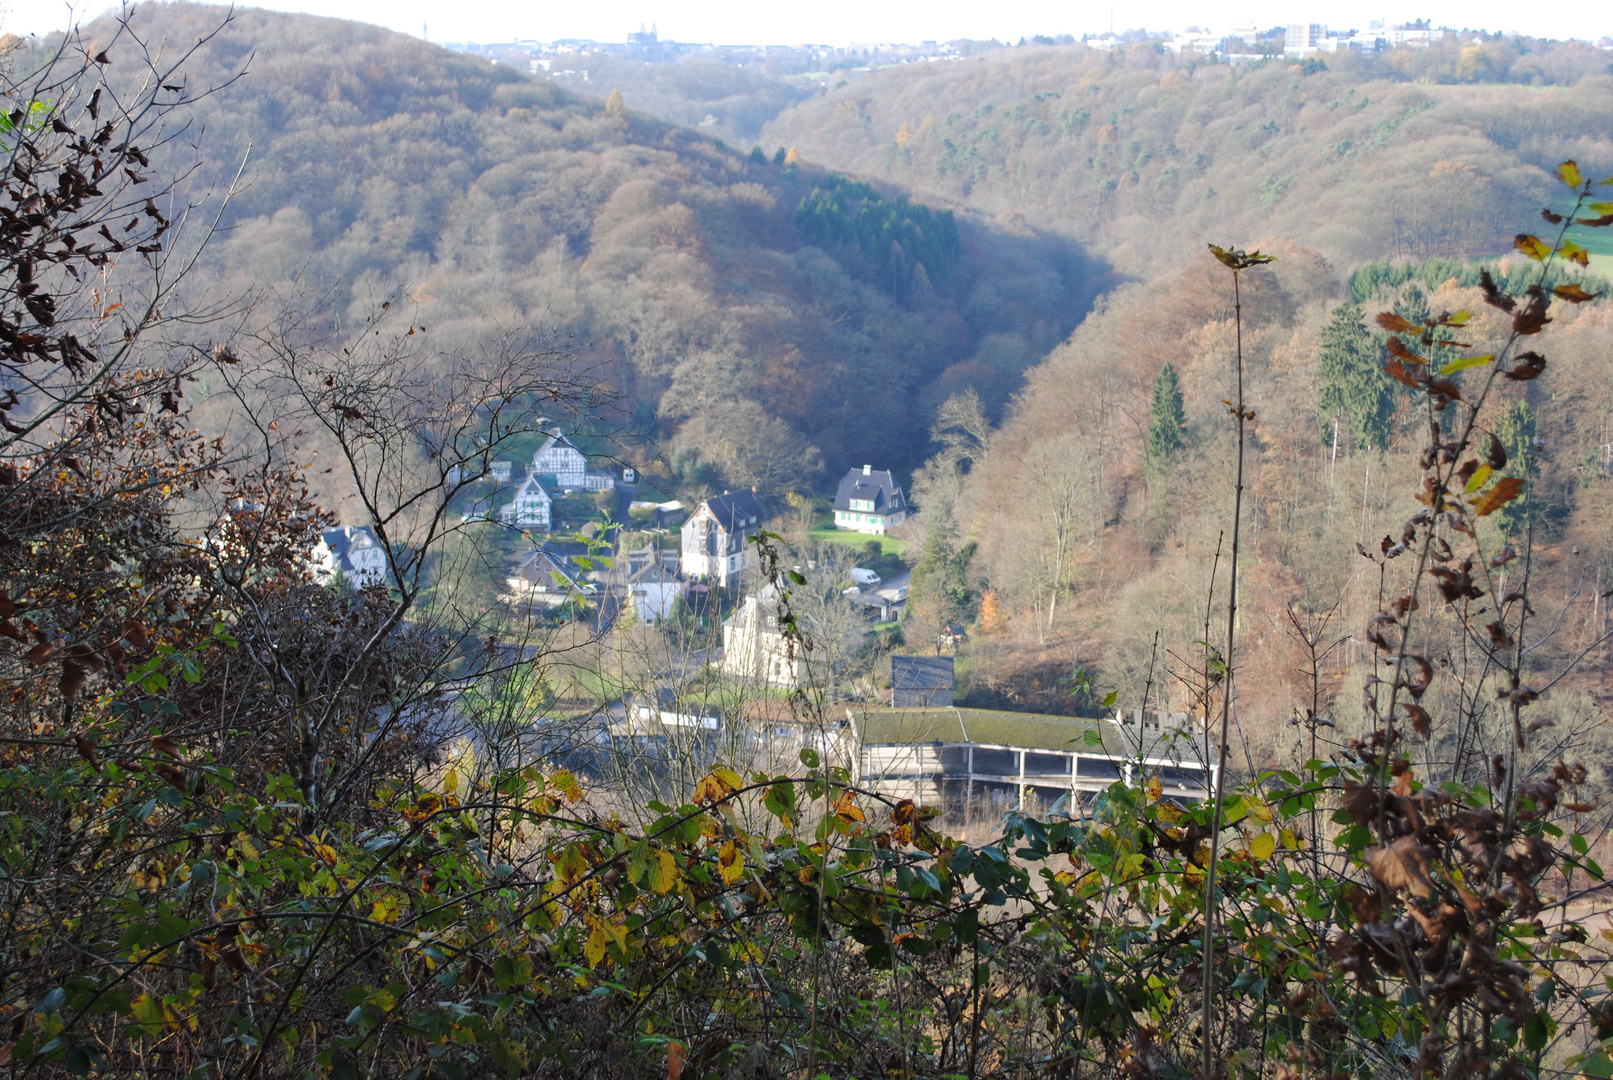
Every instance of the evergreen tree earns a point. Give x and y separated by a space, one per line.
1357 394
1166 420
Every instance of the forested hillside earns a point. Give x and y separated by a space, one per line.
376 164
1146 155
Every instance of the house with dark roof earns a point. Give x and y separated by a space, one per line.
352 553
921 682
869 501
715 536
547 574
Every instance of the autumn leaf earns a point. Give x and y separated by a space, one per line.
1568 173
1532 246
1397 325
662 871
1262 847
1421 722
1529 366
674 1060
1401 865
730 863
1398 348
846 808
1573 293
1397 371
1506 489
1574 253
1481 476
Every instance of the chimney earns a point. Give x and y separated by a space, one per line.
868 470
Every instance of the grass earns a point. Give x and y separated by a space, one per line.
826 533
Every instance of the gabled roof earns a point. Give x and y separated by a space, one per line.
921 673
557 440
348 538
877 486
530 487
736 510
544 562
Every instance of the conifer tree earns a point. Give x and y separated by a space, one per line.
1357 399
1166 420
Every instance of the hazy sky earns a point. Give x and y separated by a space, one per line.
841 21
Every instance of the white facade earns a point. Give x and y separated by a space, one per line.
567 464
531 506
754 648
351 551
715 538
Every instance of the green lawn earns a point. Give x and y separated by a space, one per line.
826 533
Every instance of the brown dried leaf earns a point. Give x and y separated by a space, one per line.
1421 722
1401 865
1529 365
1505 490
1397 325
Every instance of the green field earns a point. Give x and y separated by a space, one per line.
826 533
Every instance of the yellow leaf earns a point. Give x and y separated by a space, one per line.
1568 173
1532 246
567 785
1260 810
846 808
1263 846
1155 789
1289 841
1465 362
593 949
662 872
1481 476
730 863
450 782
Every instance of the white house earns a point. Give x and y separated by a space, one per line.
714 537
352 552
654 590
753 646
560 458
530 509
869 501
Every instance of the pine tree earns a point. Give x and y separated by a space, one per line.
1515 428
1357 399
1166 420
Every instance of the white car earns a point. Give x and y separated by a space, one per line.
864 578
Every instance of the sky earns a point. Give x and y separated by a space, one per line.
840 22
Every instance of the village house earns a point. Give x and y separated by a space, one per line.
549 576
716 534
869 501
352 553
559 457
531 506
653 588
754 647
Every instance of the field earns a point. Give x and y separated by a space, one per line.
825 533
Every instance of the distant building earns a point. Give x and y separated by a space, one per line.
654 589
1303 39
753 646
714 537
500 472
921 682
531 507
353 553
560 458
869 501
548 574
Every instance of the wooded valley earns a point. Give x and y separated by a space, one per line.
431 649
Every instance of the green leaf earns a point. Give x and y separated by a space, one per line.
809 757
1578 843
1534 1033
1466 362
1110 698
